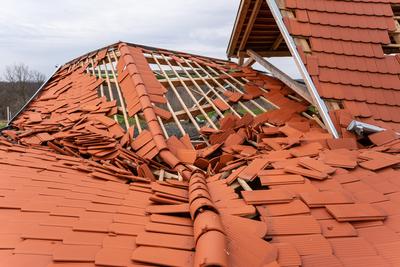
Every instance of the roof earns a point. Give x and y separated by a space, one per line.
99 170
255 28
349 48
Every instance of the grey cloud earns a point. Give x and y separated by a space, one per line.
44 33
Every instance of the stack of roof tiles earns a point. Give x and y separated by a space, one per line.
76 189
347 60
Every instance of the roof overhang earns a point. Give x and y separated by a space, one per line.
255 28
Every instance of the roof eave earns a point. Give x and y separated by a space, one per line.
244 5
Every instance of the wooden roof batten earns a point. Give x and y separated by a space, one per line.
286 79
309 92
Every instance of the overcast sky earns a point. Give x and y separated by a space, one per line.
45 33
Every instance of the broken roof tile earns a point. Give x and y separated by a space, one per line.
70 191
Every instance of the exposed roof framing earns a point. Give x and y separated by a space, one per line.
185 94
131 156
301 89
256 29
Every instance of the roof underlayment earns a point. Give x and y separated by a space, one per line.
132 155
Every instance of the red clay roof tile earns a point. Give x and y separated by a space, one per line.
267 196
165 240
320 199
292 225
304 246
333 228
306 172
294 207
281 179
75 253
355 212
321 260
250 172
165 256
351 29
88 210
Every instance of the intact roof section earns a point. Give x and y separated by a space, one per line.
347 55
350 50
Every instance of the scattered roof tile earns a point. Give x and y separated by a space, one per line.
65 197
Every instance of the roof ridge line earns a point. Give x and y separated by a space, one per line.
209 235
150 116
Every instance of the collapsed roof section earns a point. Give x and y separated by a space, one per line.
110 142
103 168
349 49
127 98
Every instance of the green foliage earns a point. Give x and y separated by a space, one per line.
131 120
312 110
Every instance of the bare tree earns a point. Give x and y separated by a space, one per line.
23 80
18 85
17 73
37 77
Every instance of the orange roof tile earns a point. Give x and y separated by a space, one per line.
246 194
347 60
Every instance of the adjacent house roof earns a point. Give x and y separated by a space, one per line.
132 156
349 48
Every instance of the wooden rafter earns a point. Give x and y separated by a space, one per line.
250 24
195 111
191 95
240 91
244 6
292 84
205 96
109 87
249 62
181 101
121 99
277 42
211 87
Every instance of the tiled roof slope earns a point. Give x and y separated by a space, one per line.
314 201
347 61
78 187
